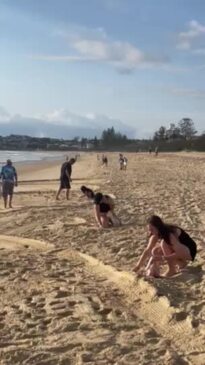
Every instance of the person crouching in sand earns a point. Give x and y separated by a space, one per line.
103 208
169 244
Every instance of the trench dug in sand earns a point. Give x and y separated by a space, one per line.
18 243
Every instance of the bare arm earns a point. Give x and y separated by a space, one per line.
16 177
147 252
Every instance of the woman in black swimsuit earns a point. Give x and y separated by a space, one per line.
168 243
103 208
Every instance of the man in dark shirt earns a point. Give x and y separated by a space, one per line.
65 177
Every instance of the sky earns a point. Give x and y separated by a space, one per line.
140 63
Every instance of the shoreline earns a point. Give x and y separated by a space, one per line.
37 156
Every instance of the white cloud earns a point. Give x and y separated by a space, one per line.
62 123
57 115
199 51
115 5
90 120
194 93
89 45
187 39
4 115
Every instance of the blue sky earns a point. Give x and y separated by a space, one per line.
141 62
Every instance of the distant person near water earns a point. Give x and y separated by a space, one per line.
121 161
9 179
104 160
156 151
125 161
103 208
65 177
168 244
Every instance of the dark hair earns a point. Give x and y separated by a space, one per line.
164 229
85 190
72 160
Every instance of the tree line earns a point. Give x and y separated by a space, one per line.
176 137
185 129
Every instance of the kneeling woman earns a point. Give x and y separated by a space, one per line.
169 244
103 208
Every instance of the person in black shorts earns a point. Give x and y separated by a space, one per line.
169 244
65 177
103 208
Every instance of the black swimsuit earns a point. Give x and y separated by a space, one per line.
187 241
104 207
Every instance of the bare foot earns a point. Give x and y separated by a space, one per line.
170 273
182 266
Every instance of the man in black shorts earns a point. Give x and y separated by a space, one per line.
65 177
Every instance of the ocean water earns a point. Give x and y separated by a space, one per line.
26 156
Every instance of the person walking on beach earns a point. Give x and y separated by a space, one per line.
156 151
168 244
125 161
121 161
103 208
104 161
9 179
65 177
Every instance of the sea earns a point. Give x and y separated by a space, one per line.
28 156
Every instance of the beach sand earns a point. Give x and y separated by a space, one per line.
68 294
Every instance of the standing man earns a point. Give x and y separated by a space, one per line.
9 179
65 177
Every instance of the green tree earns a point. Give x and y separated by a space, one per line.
110 138
160 135
173 132
96 142
187 128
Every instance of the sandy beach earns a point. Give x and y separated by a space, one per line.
68 293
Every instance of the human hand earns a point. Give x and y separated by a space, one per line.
16 184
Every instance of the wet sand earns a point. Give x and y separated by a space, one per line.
68 294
